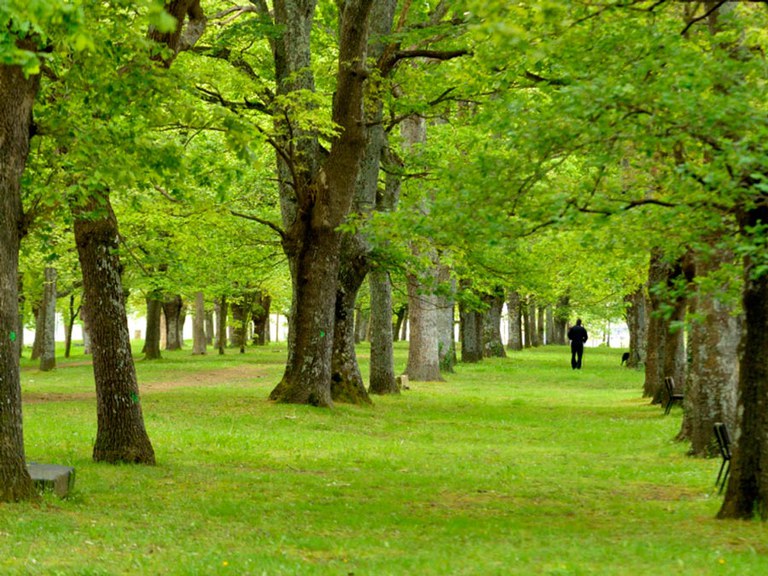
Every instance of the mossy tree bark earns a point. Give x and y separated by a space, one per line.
120 435
17 95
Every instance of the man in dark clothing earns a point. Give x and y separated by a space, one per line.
577 335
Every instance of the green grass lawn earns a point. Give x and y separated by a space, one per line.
512 466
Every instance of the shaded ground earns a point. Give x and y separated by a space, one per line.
230 375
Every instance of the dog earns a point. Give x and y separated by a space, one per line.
624 358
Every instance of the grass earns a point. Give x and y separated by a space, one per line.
511 466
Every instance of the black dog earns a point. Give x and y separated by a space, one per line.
624 358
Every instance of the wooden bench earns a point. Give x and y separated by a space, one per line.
672 396
724 444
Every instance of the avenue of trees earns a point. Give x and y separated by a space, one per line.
437 159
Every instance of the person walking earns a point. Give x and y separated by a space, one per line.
577 335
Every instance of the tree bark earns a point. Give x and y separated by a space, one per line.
48 316
316 193
492 344
382 375
120 436
747 492
346 380
713 377
198 326
400 322
471 334
515 327
221 325
423 349
17 95
152 337
637 322
172 309
562 313
260 318
541 324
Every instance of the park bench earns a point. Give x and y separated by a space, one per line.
724 444
672 396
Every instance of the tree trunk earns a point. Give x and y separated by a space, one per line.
492 344
747 491
534 331
152 337
17 95
86 328
528 322
48 315
221 325
712 386
346 380
658 274
550 325
240 314
541 324
316 194
471 334
423 349
515 328
172 310
401 319
73 313
198 326
382 375
562 313
260 319
209 328
637 323
120 436
37 343
446 344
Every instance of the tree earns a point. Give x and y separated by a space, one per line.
18 88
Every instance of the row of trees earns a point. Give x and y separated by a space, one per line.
545 148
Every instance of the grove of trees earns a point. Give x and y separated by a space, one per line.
597 157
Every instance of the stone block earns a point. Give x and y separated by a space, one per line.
52 478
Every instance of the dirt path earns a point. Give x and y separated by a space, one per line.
236 375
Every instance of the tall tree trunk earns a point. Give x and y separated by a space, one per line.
446 343
562 314
527 322
550 325
423 348
471 334
541 324
260 318
221 325
73 314
17 95
48 314
747 491
515 328
637 323
37 344
240 314
87 348
120 436
492 345
198 326
209 328
712 386
382 374
658 273
152 337
172 310
401 321
316 194
346 380
534 331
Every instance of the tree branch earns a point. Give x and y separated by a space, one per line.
271 225
693 21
